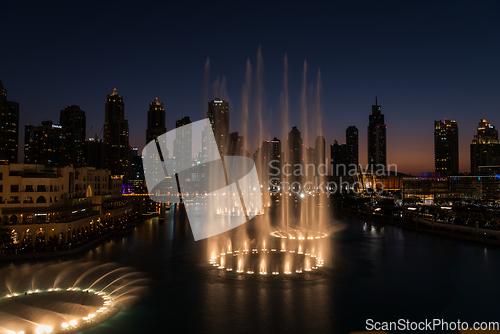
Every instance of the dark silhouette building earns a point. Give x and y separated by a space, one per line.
236 145
9 128
295 147
73 121
446 147
485 147
218 113
47 145
377 150
352 143
344 157
94 148
29 137
116 147
156 120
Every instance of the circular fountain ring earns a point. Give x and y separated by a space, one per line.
286 255
47 310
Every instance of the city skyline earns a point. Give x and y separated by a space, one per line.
426 69
361 149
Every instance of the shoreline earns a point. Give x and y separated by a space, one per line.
485 236
87 246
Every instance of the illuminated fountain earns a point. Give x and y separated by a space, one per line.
65 297
292 238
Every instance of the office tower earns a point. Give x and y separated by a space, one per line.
446 147
351 137
48 146
137 171
339 159
485 147
94 153
29 137
9 128
377 153
156 120
236 144
319 152
183 145
344 157
73 121
295 146
116 136
218 113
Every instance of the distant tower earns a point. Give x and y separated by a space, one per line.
183 149
446 147
295 147
218 113
116 136
73 121
29 137
485 147
351 137
377 151
156 120
9 125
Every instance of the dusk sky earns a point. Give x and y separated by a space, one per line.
424 60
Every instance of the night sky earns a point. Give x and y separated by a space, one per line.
425 61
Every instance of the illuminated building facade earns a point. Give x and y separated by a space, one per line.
485 147
218 113
9 128
156 120
377 146
446 147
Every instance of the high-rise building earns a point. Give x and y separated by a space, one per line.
73 121
47 146
339 159
183 150
236 145
485 147
29 137
218 113
351 138
446 147
344 157
319 151
116 136
94 148
9 128
295 147
377 151
156 120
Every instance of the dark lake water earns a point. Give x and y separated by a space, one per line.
377 271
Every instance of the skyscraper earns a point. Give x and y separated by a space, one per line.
236 145
295 147
344 157
116 136
156 120
377 152
351 138
9 128
218 113
183 150
29 137
47 145
485 147
446 147
73 121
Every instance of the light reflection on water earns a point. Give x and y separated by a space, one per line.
379 272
